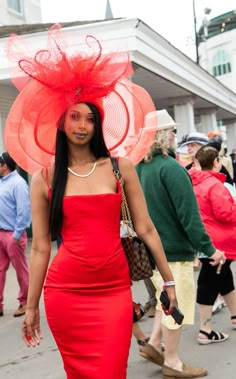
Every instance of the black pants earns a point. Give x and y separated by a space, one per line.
210 284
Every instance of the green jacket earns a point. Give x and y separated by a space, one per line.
173 208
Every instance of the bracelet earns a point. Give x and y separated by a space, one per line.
169 284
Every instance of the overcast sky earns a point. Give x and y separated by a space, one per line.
173 19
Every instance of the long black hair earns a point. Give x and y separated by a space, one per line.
99 149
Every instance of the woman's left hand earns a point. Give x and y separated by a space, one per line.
30 328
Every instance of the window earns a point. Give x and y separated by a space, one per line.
221 63
15 5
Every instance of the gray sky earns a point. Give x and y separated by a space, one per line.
173 19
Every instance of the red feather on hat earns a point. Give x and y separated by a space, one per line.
52 79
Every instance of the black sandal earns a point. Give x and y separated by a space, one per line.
211 337
143 342
233 318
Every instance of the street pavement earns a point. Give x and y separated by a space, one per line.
44 362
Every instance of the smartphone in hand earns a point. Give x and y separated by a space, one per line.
176 314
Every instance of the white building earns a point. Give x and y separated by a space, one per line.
14 12
191 95
217 53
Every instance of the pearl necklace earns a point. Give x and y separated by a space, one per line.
85 175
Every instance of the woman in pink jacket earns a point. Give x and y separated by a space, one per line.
218 212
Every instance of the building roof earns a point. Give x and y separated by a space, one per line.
164 71
217 25
6 30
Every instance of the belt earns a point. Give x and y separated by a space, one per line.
4 230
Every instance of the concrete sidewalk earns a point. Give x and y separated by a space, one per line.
19 362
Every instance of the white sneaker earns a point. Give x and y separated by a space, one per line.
218 305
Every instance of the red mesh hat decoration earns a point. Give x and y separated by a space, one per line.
52 79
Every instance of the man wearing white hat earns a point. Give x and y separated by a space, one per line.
193 142
174 211
165 121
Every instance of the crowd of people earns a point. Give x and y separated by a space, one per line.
71 107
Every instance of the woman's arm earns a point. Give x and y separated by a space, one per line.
39 258
41 243
142 222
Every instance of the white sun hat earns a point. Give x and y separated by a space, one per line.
163 120
192 137
196 137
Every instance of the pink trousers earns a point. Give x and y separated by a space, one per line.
13 252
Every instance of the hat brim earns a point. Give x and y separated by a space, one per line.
31 125
62 75
166 127
200 142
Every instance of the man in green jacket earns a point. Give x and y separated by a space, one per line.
174 211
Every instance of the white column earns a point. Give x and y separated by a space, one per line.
208 121
231 135
184 116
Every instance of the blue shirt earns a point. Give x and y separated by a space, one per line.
15 213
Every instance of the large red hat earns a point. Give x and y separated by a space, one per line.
56 78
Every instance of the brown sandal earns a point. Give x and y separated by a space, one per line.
188 372
153 355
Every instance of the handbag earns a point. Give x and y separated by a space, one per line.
140 260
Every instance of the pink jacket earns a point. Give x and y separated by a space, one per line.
217 208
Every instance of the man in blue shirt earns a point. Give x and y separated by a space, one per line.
15 217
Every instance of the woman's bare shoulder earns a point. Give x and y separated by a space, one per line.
37 177
42 178
126 166
125 162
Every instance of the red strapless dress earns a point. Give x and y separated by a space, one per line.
87 292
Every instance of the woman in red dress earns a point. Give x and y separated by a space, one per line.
87 287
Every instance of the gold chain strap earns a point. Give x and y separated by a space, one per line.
126 217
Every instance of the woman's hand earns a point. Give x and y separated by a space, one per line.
30 328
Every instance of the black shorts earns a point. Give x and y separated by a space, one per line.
210 284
